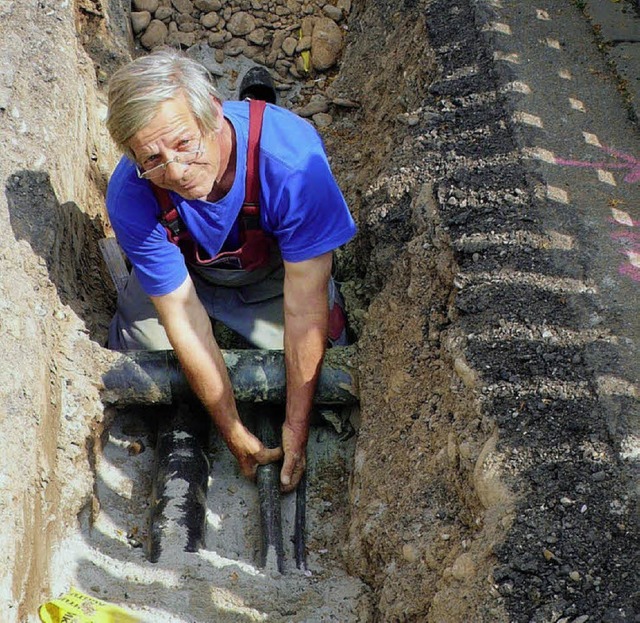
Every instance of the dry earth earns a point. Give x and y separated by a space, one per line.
474 457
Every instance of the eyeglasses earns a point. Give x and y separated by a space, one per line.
185 158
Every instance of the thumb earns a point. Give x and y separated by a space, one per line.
292 470
287 470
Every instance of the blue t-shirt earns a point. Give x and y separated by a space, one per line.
301 205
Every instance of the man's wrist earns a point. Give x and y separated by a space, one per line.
232 429
298 427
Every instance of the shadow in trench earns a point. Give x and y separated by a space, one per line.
114 565
67 240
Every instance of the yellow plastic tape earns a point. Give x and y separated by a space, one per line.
306 60
306 56
76 607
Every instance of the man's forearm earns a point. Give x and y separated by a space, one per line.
304 343
189 330
204 367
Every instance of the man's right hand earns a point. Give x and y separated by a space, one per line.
250 451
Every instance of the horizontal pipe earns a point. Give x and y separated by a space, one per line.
155 377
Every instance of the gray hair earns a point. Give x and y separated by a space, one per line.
137 90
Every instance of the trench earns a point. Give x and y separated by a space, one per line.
367 540
489 472
397 280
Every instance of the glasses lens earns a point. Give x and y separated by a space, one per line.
186 158
154 173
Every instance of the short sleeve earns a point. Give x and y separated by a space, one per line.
313 217
132 210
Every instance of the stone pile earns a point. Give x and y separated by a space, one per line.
294 37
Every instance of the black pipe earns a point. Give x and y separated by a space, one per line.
268 481
155 377
179 490
299 536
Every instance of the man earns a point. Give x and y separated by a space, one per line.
180 203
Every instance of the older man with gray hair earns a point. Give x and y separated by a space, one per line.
226 211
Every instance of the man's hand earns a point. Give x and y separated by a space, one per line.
250 451
294 444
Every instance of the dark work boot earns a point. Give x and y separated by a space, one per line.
257 84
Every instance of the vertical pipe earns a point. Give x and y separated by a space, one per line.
179 491
299 536
268 480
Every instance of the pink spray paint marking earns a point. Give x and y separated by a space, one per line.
628 238
624 162
631 271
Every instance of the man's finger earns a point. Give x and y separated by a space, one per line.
269 455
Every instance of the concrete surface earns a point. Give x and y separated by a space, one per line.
617 25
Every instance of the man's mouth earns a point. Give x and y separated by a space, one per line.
189 185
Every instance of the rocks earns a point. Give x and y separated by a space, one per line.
308 35
207 6
155 35
164 13
332 12
181 39
410 553
241 24
463 568
209 20
216 39
303 44
326 44
289 46
318 104
183 6
322 120
140 20
145 5
235 47
257 37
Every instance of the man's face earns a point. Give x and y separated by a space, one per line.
171 133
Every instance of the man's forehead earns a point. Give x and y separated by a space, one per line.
172 119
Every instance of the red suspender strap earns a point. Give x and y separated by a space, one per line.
252 188
163 198
169 216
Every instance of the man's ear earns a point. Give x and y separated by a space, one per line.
217 104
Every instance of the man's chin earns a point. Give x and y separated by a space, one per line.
192 192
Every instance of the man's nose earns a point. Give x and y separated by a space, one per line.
173 171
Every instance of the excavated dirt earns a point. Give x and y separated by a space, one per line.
476 489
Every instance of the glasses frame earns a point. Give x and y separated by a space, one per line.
160 170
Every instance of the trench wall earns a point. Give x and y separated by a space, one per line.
428 504
52 172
